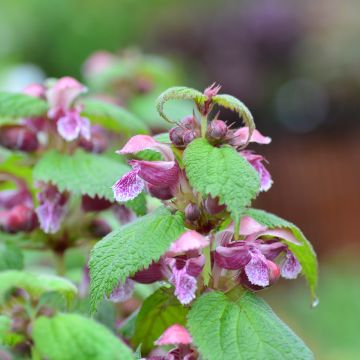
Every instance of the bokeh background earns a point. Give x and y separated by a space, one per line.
296 64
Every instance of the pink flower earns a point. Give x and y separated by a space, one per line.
52 208
255 257
98 62
174 335
161 174
71 125
240 136
256 161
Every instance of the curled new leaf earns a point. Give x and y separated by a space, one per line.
234 104
178 93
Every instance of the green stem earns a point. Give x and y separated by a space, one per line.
60 264
203 125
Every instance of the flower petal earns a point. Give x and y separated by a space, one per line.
157 173
256 162
233 256
174 335
290 268
142 142
190 240
63 93
122 292
129 186
249 226
150 275
282 234
85 128
257 269
69 126
241 135
185 285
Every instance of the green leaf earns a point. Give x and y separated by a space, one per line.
131 248
158 312
11 257
304 252
35 284
7 336
178 93
137 205
113 117
81 173
221 172
244 329
163 138
234 104
71 336
13 105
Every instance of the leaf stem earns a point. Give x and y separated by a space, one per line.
60 263
203 125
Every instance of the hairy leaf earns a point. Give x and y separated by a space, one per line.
138 205
131 248
14 105
234 104
71 336
35 284
304 252
244 329
158 312
11 257
221 172
81 173
113 117
178 93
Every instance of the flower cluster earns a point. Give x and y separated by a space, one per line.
258 256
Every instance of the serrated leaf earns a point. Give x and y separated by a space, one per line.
35 284
11 257
138 205
244 329
71 336
305 253
158 312
113 117
81 173
234 104
221 172
14 105
178 93
131 248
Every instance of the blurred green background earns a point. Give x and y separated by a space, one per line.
295 64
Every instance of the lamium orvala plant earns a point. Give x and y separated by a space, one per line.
175 258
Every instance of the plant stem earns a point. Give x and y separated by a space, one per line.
203 125
60 263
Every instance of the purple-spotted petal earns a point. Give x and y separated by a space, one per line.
129 186
241 135
50 216
256 161
142 142
71 125
174 335
234 256
122 292
190 240
185 285
157 173
290 268
62 94
257 270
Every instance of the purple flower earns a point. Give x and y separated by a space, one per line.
122 292
61 97
255 257
162 174
52 208
256 161
239 137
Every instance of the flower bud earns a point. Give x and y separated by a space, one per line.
189 136
177 136
188 122
98 141
216 130
192 212
20 218
18 137
212 206
162 193
94 203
